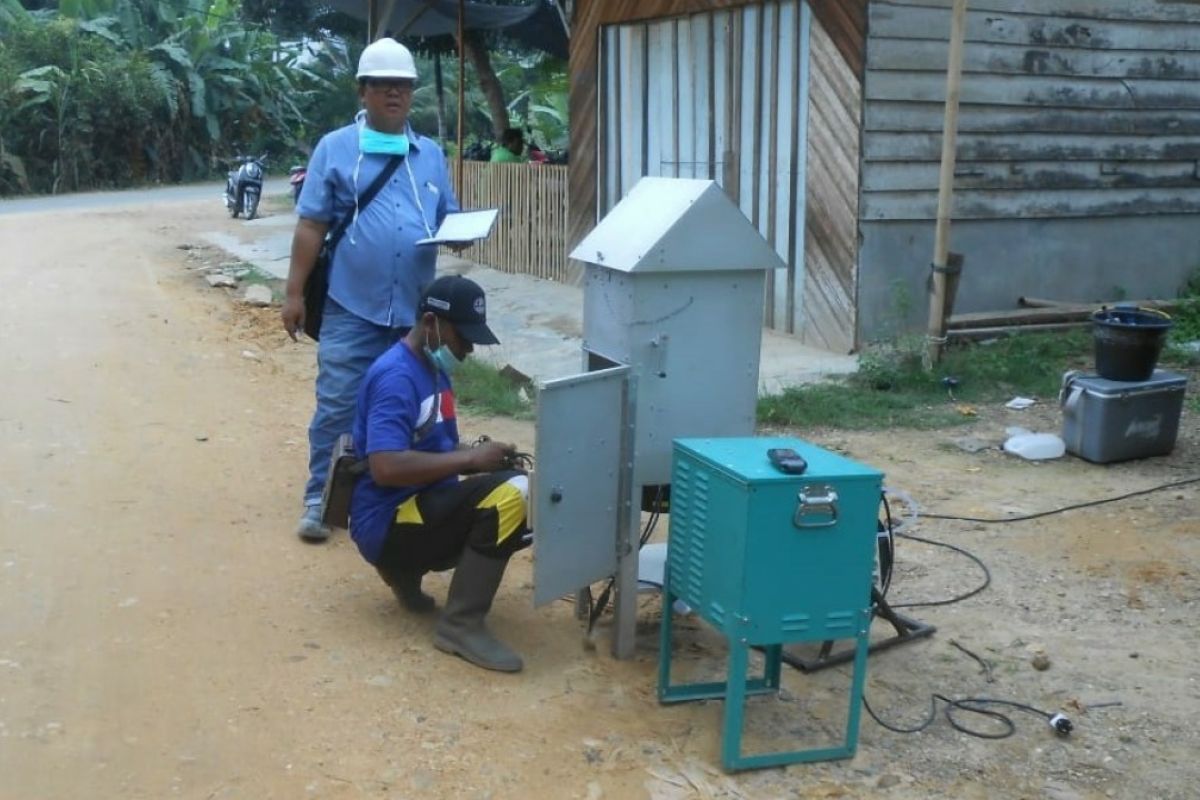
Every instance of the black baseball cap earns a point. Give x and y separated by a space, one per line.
460 302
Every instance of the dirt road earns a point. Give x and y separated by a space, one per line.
163 633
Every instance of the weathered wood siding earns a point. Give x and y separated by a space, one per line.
831 206
1069 108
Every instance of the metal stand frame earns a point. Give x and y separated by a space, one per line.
738 686
907 630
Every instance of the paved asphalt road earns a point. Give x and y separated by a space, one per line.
160 194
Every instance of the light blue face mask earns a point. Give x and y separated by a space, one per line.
443 358
388 144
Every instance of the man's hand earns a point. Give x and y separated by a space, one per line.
306 247
491 456
292 315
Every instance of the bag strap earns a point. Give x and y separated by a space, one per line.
364 200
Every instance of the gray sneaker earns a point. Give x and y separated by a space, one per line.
311 529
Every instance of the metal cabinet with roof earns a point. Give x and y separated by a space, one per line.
673 308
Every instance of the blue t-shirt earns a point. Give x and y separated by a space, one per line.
378 269
400 407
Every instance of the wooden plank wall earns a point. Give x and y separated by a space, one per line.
831 200
530 236
1069 108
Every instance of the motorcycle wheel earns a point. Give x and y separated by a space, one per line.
232 204
250 204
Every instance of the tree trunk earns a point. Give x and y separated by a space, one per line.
477 52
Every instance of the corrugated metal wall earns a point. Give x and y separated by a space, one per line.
731 80
1069 108
720 95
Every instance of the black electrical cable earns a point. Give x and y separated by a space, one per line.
885 576
1088 504
1058 722
595 609
973 705
987 574
982 566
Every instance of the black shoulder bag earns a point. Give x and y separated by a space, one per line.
316 287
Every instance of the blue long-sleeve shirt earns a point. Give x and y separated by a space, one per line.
378 269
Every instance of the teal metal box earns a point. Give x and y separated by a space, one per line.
769 557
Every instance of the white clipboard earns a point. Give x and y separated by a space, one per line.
464 226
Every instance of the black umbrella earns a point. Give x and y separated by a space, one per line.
539 25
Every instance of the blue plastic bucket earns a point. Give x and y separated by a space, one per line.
1128 342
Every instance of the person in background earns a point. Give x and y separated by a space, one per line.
410 513
378 270
511 149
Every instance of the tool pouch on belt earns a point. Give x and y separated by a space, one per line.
344 471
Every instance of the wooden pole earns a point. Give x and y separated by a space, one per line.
462 81
371 27
936 333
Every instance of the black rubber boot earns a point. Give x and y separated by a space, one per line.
461 629
407 588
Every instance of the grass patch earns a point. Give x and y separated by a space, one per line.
1182 349
480 388
891 388
249 275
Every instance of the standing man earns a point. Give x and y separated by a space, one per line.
378 270
511 148
410 514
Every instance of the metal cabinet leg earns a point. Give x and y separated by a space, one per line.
735 706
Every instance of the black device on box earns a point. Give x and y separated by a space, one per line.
787 460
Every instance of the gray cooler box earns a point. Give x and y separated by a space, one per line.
1107 420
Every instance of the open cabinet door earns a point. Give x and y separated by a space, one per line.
578 487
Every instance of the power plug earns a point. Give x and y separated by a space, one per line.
1061 725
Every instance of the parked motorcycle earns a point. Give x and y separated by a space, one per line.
297 175
243 187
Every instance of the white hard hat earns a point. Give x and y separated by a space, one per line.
386 58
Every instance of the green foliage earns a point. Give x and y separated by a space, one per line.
848 406
892 389
1187 314
110 93
479 387
1185 332
536 86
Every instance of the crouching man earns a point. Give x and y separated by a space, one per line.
411 513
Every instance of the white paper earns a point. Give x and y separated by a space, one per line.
464 226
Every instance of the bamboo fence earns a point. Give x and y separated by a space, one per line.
530 236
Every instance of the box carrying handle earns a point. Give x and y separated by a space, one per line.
1071 403
816 507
